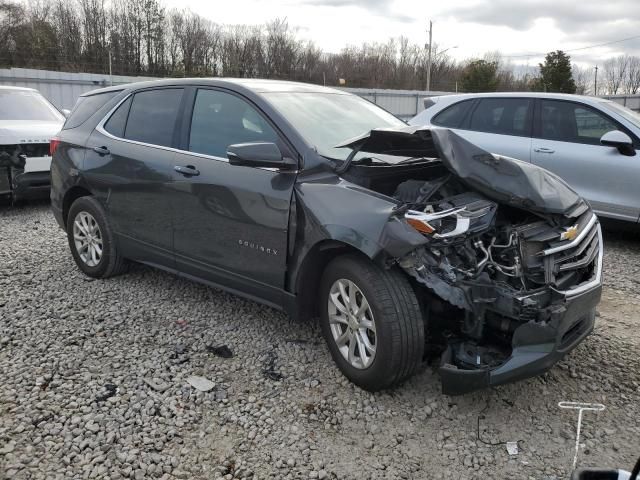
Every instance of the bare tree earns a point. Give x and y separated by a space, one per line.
143 37
615 70
582 79
632 77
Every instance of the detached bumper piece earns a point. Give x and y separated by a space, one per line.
536 347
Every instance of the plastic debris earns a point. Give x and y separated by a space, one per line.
269 367
111 390
178 357
157 386
180 349
201 383
220 351
581 407
512 448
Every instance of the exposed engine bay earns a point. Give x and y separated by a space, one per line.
500 270
474 239
488 261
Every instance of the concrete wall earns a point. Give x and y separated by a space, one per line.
63 88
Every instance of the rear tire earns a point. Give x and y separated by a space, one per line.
91 240
390 332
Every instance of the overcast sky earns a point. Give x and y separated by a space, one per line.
514 27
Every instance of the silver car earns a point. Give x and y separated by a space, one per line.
590 142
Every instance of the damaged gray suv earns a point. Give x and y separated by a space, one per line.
409 244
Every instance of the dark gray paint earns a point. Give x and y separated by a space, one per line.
261 232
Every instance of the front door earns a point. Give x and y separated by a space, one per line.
567 142
230 222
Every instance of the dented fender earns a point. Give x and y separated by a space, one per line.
376 230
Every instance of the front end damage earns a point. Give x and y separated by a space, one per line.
511 264
519 297
24 170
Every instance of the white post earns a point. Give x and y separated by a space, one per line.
581 407
429 57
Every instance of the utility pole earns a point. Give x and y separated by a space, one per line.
595 83
429 57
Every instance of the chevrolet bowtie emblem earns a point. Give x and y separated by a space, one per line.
569 233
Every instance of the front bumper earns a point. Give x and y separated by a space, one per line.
536 347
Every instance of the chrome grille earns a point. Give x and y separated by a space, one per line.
576 265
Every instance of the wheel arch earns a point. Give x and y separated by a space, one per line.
307 280
71 196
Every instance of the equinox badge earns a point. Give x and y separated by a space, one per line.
259 248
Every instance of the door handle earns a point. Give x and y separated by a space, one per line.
187 170
101 150
543 150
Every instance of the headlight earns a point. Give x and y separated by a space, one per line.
451 222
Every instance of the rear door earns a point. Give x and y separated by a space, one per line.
500 125
130 161
231 222
567 142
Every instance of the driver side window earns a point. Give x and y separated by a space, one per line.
573 122
221 119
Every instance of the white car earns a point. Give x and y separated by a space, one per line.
590 142
27 123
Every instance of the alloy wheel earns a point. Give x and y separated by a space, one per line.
352 324
87 239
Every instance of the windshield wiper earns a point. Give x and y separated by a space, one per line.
411 160
347 163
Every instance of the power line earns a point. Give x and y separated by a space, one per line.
575 49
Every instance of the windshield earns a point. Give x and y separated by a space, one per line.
628 115
26 105
327 119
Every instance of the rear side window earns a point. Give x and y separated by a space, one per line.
573 122
152 116
118 121
453 115
505 116
87 106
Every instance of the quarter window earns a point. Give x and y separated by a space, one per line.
453 116
220 119
152 116
85 107
117 122
573 122
506 116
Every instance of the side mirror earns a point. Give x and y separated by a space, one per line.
259 154
619 140
66 112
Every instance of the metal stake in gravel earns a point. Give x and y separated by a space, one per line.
581 407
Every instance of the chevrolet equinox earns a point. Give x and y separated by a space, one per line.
408 243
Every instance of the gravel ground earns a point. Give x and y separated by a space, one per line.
93 384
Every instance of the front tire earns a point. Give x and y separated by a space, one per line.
371 321
91 240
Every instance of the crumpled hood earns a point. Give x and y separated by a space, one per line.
503 179
13 132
